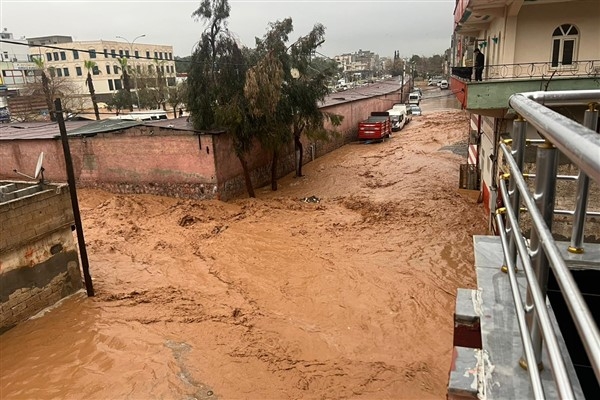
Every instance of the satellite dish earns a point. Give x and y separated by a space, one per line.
295 73
39 168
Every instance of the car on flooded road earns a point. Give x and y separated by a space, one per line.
415 109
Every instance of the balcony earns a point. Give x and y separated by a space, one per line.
490 96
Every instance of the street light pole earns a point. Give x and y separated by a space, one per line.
135 72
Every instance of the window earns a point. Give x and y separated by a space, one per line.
155 54
66 71
52 71
92 53
147 54
75 55
49 56
63 55
108 69
78 71
137 54
118 85
113 53
160 54
58 72
170 56
55 55
116 69
95 70
120 53
564 45
127 53
105 53
110 85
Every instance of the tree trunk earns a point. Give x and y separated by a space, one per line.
299 155
48 97
90 84
249 187
274 171
127 87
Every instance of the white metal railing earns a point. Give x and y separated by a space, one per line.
581 144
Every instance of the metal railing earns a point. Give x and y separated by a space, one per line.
581 144
583 68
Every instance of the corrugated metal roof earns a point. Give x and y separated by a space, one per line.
35 130
107 125
361 93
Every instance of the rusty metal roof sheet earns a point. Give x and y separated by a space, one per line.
102 126
35 130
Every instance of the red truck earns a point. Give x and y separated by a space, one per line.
376 127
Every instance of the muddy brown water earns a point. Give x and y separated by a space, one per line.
269 298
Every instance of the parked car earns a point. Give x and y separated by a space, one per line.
444 84
415 109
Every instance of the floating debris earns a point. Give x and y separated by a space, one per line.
311 199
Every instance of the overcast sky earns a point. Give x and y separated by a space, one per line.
420 27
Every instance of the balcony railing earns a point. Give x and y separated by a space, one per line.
589 68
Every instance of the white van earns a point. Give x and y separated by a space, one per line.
414 98
405 110
397 119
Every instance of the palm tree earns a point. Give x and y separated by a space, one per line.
39 62
126 82
90 66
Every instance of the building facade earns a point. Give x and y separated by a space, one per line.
547 45
16 68
149 65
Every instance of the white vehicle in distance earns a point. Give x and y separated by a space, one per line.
404 109
414 98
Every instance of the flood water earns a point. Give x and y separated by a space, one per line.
271 298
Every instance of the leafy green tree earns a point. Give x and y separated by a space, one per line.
177 96
216 80
119 101
39 62
91 66
126 80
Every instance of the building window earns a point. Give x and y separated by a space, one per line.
160 55
147 54
66 71
52 71
564 45
92 53
170 56
110 85
137 54
116 69
55 55
118 84
127 53
105 53
155 54
113 53
120 53
58 72
75 55
78 71
95 70
63 55
49 56
108 69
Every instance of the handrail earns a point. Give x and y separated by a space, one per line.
562 131
582 146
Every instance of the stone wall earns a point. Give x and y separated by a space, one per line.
38 258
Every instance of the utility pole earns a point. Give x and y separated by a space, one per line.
135 72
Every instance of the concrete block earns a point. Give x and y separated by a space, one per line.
467 323
466 374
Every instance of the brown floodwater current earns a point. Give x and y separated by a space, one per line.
273 297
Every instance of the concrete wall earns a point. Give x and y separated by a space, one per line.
162 161
38 258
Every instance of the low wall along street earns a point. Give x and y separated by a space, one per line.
38 258
169 157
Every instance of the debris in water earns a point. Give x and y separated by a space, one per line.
311 199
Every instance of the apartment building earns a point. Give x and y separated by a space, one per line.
16 68
528 46
362 64
147 63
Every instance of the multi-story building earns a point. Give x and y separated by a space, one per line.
528 46
147 63
16 68
360 65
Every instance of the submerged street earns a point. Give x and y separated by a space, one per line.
270 298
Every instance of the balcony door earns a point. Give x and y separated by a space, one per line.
564 46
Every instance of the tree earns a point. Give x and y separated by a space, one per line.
216 80
92 67
126 81
177 96
284 91
39 62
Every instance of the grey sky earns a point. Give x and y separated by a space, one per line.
411 26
